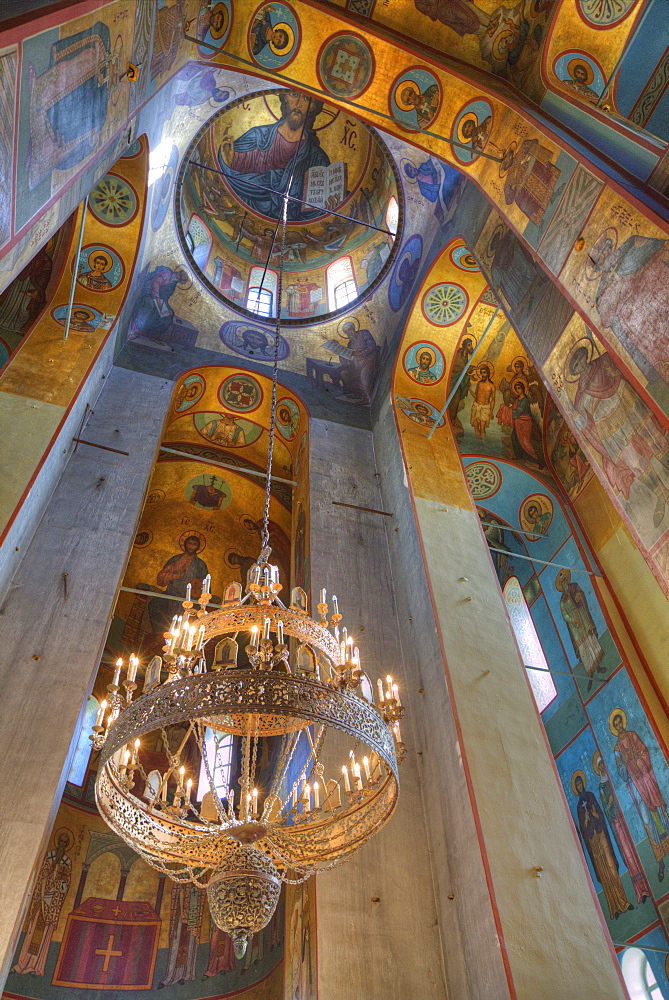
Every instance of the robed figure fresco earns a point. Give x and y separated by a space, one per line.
615 421
582 629
595 834
51 888
179 570
185 922
153 315
635 768
614 815
266 156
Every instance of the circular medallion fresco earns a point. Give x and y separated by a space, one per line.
471 129
143 538
463 258
604 13
252 341
345 65
207 492
287 418
274 35
213 27
580 73
444 304
419 411
155 496
484 479
100 268
424 363
405 272
415 98
230 196
113 201
535 515
189 392
241 393
84 319
226 429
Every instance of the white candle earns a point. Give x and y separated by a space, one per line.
200 637
255 803
396 728
358 779
342 653
117 672
188 589
396 695
231 801
267 624
279 632
347 783
344 635
133 663
189 785
101 713
206 584
254 636
317 797
323 595
182 771
335 605
379 684
295 797
126 759
365 763
306 798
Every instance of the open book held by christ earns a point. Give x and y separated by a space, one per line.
321 183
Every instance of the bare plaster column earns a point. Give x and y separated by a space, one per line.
390 949
50 643
500 811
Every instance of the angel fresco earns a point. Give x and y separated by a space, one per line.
521 413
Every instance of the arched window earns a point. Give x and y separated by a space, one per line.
82 753
543 685
262 291
639 977
392 214
342 288
199 241
218 752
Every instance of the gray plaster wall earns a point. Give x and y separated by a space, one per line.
389 950
472 957
50 646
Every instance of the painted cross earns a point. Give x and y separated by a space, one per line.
108 953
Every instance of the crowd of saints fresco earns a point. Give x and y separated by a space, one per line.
461 361
99 917
232 181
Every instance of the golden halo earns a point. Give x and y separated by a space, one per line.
500 50
469 117
623 714
596 760
489 365
283 26
198 534
185 285
610 234
219 8
581 342
412 85
427 350
100 253
64 829
520 357
564 574
347 319
580 61
575 775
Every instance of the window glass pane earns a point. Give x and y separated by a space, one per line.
345 293
259 301
543 685
218 750
83 751
341 284
392 215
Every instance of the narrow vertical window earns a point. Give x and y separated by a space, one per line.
342 288
543 685
262 291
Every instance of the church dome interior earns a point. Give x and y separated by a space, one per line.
230 202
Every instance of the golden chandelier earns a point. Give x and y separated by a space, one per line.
326 784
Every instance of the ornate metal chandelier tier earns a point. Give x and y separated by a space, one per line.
279 829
